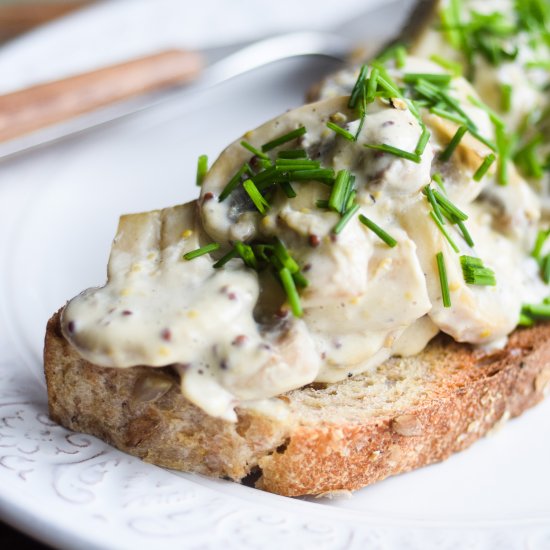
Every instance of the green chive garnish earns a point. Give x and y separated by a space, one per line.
358 88
338 196
372 85
435 78
202 169
257 198
321 174
484 167
201 251
291 292
432 200
506 98
444 232
542 236
453 117
453 144
465 233
475 273
321 203
288 189
284 139
292 154
339 130
378 231
525 320
537 311
455 68
233 182
226 258
439 180
445 293
395 151
545 268
345 219
254 151
246 252
422 141
284 256
503 147
447 205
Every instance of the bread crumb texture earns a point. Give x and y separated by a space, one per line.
339 437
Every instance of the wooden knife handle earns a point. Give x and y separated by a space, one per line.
33 108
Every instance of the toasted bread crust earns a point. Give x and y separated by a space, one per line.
409 413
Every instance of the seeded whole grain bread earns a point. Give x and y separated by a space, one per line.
409 413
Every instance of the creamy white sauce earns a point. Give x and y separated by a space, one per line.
229 333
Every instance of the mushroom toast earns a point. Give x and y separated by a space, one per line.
280 329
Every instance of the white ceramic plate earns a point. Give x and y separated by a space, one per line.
58 212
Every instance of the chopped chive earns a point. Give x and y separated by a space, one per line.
246 252
358 88
444 232
339 130
453 117
453 144
395 151
201 251
284 139
253 150
266 178
351 199
475 273
503 147
545 268
284 256
455 68
233 182
400 56
432 200
321 203
495 119
345 219
297 164
360 126
288 189
506 98
482 139
202 169
449 206
292 154
339 193
435 78
291 292
422 141
465 233
388 85
317 175
372 85
439 180
257 198
537 311
300 280
226 258
484 167
444 283
525 320
542 236
378 231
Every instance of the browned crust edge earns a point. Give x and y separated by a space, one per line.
296 458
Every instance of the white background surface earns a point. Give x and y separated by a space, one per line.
58 212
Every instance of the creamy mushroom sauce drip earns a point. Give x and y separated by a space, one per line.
229 332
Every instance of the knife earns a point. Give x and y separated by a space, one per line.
48 112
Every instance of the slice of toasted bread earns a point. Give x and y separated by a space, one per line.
408 413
